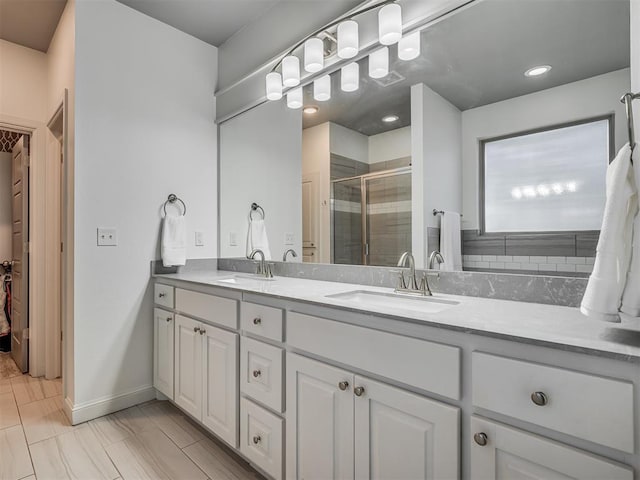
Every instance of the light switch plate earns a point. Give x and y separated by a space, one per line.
199 239
107 237
233 239
289 238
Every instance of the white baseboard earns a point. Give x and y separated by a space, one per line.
84 412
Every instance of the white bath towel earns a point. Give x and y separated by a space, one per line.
174 241
631 295
603 296
5 328
257 238
450 243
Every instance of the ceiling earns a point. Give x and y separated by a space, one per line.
212 21
30 23
479 55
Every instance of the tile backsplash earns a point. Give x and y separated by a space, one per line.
530 263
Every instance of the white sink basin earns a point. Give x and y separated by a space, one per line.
246 279
366 298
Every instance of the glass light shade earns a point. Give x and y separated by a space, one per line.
390 24
379 63
350 77
313 55
409 46
274 86
294 98
348 41
322 89
290 71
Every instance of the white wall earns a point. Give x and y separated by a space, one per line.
348 143
144 127
260 161
316 160
635 61
390 145
5 206
436 163
575 101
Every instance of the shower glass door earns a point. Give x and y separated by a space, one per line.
346 239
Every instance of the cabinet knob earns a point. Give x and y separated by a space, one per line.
196 329
168 319
539 398
343 385
257 439
481 438
202 331
257 321
257 373
359 391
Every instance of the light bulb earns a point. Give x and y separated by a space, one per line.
274 86
290 71
348 41
322 88
350 77
379 63
294 98
390 24
409 46
313 55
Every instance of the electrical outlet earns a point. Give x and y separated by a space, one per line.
199 239
233 239
289 238
107 237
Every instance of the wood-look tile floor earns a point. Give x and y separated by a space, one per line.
149 441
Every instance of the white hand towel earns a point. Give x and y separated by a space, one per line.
603 295
174 241
631 296
450 244
257 238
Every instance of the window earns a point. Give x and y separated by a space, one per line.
551 180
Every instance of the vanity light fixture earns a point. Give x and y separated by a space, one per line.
294 98
537 71
390 118
313 55
409 46
390 24
322 88
310 110
348 40
379 63
350 77
290 71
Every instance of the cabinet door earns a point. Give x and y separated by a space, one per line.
504 452
188 365
163 352
319 421
220 380
401 435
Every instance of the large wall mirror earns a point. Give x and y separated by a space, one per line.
509 117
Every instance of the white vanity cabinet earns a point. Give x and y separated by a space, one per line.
501 452
339 424
163 359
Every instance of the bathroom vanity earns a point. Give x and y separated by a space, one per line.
311 379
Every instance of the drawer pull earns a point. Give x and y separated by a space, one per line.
168 319
196 329
257 373
257 321
162 295
359 391
257 439
202 331
343 386
539 398
480 438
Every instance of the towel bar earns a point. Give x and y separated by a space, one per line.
627 99
439 212
172 198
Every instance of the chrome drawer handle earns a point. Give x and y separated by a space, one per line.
343 386
481 438
257 439
539 398
257 373
359 391
162 295
257 321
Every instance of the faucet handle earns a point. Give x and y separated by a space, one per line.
268 267
401 281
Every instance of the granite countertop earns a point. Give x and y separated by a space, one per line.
547 325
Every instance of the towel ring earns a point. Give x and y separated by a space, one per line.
172 198
254 208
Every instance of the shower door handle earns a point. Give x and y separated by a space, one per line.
366 249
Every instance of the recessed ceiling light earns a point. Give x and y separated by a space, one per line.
390 118
310 110
536 71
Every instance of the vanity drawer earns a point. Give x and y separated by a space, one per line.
219 310
597 409
262 320
261 372
163 295
261 437
426 365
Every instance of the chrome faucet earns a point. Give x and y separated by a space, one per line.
435 255
413 284
264 268
290 251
